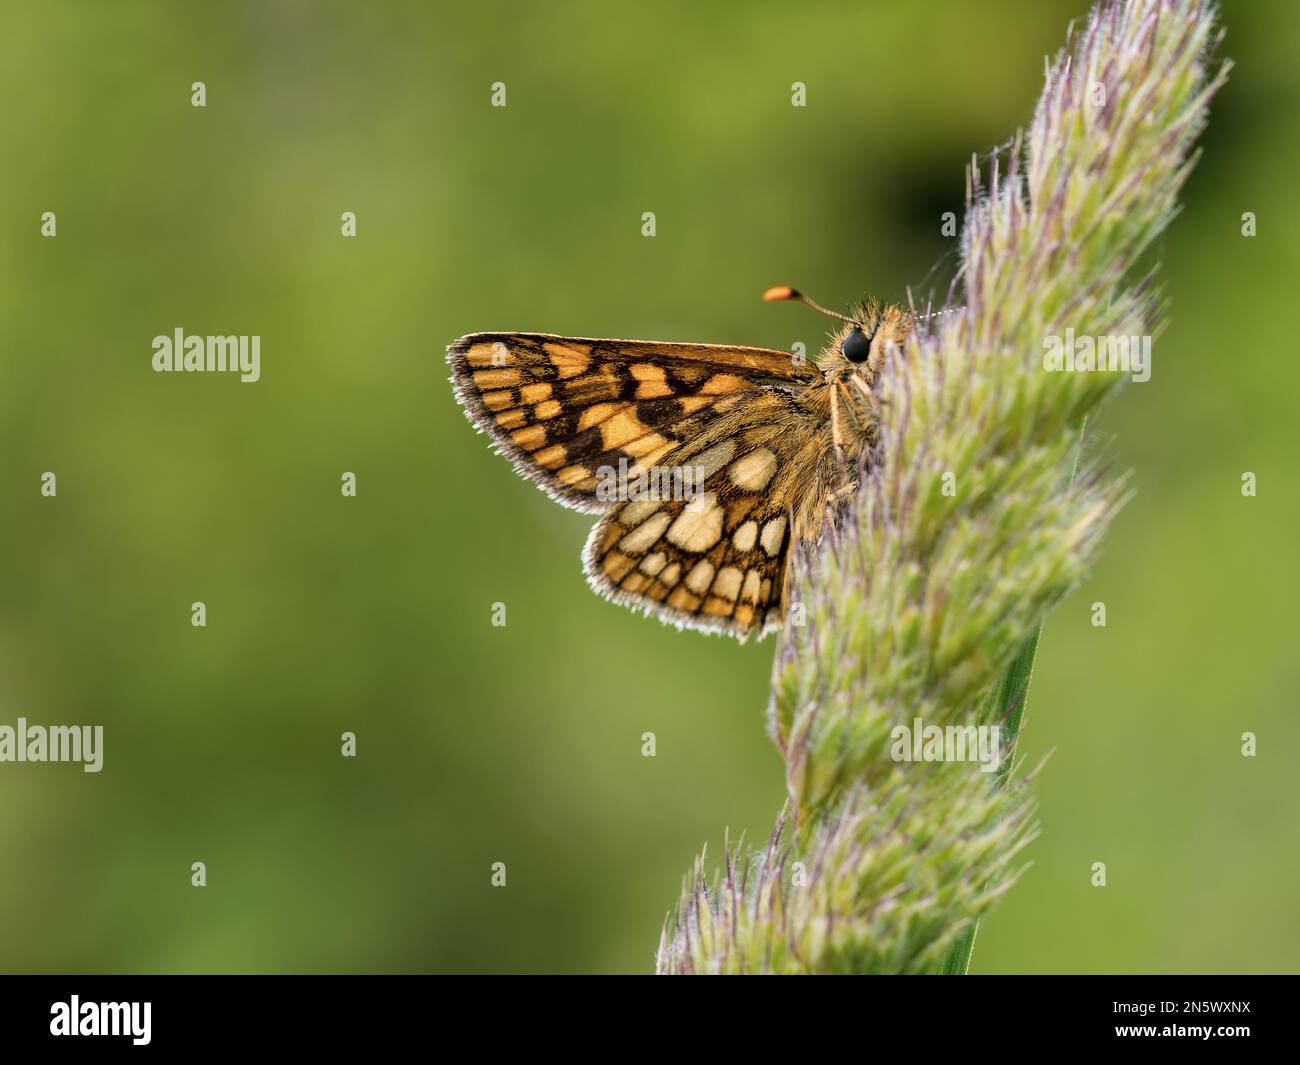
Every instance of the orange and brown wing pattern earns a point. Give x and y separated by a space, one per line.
718 561
564 408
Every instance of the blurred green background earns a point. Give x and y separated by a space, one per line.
522 744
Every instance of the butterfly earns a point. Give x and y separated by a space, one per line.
706 462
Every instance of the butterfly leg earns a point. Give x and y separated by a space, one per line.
873 401
837 430
843 492
863 425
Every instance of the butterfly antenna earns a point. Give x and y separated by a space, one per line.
784 292
938 314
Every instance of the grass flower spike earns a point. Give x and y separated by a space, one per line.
971 523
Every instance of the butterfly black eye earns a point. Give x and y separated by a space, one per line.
856 346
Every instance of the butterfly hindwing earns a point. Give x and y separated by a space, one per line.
565 409
716 561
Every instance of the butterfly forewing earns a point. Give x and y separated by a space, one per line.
563 408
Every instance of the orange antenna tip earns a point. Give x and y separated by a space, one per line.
784 292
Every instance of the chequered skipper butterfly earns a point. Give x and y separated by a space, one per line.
768 442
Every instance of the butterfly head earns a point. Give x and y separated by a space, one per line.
862 342
859 345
